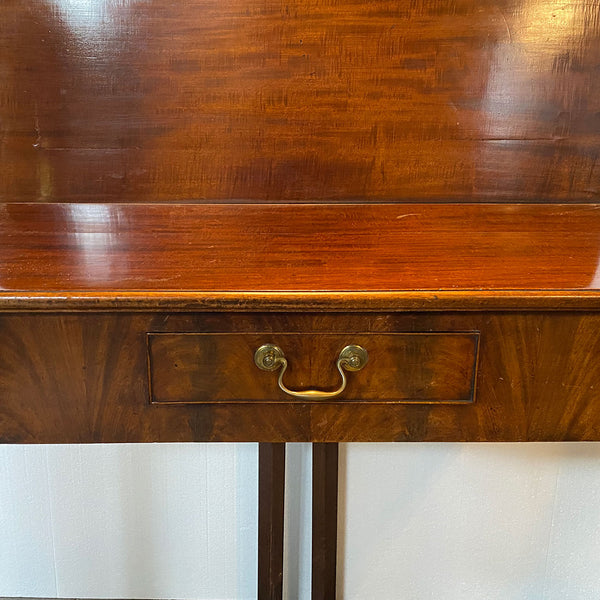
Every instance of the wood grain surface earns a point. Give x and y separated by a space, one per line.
367 256
83 378
402 367
299 100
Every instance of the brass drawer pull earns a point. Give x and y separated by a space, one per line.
270 358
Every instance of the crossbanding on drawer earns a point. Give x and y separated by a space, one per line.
195 368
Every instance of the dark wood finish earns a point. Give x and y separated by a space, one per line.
231 256
83 378
324 521
420 368
264 100
299 102
271 497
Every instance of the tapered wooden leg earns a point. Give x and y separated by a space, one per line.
271 485
324 521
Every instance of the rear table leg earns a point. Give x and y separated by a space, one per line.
271 485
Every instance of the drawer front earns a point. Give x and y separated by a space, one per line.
83 377
196 368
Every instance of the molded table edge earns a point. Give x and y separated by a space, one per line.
277 301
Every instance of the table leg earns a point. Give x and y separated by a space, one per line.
324 520
271 485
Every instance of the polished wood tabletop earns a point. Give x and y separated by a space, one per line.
298 256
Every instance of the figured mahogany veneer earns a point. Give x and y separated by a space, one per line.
403 367
83 378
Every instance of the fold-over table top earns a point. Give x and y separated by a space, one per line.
299 256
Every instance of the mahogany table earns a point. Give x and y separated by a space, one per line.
306 221
141 323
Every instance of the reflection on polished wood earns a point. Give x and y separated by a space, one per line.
298 257
299 100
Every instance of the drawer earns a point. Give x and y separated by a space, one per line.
196 368
84 377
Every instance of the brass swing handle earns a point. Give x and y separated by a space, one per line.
270 358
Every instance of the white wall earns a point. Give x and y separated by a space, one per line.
468 521
417 521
